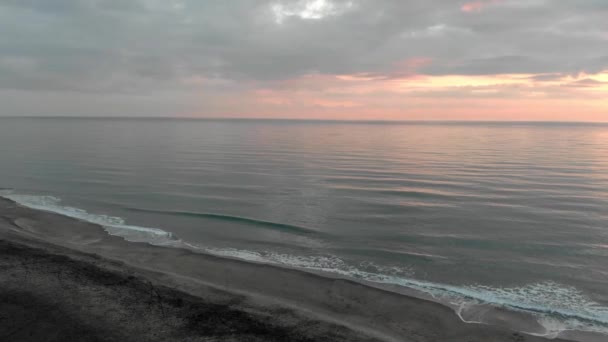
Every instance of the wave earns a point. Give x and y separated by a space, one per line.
112 224
230 218
556 307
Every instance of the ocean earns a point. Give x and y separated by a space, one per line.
493 219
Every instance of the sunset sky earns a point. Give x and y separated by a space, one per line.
306 59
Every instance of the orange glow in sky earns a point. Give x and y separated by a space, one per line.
308 59
414 96
477 6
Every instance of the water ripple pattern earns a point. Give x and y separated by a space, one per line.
511 215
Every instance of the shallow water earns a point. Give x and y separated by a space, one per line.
512 215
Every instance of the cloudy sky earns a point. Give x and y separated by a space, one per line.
332 59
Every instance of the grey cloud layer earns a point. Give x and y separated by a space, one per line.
136 45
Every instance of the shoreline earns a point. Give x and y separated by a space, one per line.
352 310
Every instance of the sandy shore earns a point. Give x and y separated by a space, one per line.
66 280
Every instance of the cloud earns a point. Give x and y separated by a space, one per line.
309 9
586 83
151 47
477 6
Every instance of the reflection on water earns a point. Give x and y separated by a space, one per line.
474 206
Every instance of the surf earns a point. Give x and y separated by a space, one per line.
112 224
556 307
231 218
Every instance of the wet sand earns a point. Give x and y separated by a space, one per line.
63 279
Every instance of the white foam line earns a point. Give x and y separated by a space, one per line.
462 306
52 204
545 300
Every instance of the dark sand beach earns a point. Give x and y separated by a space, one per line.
67 280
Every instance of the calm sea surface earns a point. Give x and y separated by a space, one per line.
511 215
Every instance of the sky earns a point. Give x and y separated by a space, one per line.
501 60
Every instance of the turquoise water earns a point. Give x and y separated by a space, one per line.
510 215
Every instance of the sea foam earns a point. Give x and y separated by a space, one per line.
112 224
557 307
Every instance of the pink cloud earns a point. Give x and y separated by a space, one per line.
414 63
408 69
477 6
406 93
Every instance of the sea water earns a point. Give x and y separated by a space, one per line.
484 217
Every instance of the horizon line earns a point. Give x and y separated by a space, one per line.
388 121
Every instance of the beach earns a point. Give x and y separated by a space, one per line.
64 279
304 170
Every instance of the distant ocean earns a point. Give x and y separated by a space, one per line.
492 219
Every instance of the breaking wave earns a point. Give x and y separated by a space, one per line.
230 218
557 307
